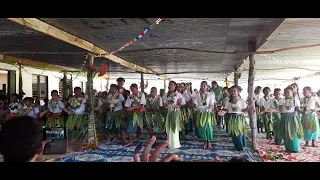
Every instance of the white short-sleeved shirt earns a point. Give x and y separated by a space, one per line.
210 100
263 101
225 100
119 100
142 100
55 106
176 96
294 103
270 104
15 107
311 103
240 105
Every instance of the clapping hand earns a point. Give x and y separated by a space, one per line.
154 156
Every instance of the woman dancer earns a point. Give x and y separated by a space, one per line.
115 113
29 108
205 115
226 98
173 101
135 106
190 98
184 116
237 125
309 117
272 107
153 115
290 126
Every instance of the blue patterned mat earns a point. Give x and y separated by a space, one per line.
191 150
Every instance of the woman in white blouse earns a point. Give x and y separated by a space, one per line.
309 117
173 101
205 115
237 124
290 126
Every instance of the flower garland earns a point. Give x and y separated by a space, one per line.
288 103
276 103
306 103
26 110
112 100
75 103
153 102
135 100
171 97
52 105
234 104
203 97
14 106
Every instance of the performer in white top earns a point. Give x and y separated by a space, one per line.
135 106
272 108
309 119
15 106
205 114
29 108
291 128
266 116
237 124
173 101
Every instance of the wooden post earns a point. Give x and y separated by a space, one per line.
71 86
142 83
64 85
251 103
91 129
20 79
236 77
108 83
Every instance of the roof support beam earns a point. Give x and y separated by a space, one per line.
52 31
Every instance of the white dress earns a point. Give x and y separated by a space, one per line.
173 137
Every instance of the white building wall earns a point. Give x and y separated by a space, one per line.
53 79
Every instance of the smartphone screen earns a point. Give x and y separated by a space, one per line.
54 133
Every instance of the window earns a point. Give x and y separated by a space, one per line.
40 86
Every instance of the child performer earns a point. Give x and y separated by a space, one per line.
290 126
153 115
205 115
78 108
135 106
29 108
272 106
173 101
266 116
237 125
309 117
54 112
115 114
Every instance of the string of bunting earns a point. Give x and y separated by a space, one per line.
104 67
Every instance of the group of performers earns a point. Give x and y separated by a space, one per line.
181 111
290 118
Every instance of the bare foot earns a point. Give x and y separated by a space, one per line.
307 145
205 145
313 145
136 139
123 143
129 144
209 146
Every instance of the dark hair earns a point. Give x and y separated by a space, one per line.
54 91
296 85
205 83
15 95
134 85
114 86
120 79
28 99
175 84
20 139
45 99
265 89
79 88
184 84
214 82
153 88
288 88
276 90
162 90
308 88
225 88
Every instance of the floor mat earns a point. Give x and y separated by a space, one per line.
306 154
191 150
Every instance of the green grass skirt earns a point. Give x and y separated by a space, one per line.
156 120
74 121
237 125
59 122
205 122
174 120
115 120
